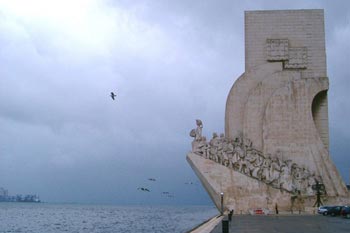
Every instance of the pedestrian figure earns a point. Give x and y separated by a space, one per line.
230 215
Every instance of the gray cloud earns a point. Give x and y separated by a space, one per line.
169 62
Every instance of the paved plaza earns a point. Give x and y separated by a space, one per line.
286 224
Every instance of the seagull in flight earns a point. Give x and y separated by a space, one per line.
143 189
113 95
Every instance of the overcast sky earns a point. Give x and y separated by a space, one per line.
169 62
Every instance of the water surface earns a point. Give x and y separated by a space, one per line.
76 218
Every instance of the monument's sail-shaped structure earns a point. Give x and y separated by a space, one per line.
275 147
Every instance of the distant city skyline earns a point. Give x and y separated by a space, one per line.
6 197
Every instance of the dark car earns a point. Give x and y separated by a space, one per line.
345 212
334 211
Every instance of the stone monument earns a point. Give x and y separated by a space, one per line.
275 146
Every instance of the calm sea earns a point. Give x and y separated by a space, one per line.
47 218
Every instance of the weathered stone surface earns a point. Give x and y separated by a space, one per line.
275 145
240 192
277 49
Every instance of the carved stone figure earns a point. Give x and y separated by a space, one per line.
200 147
275 172
213 150
235 161
228 153
198 130
197 136
272 170
265 174
286 179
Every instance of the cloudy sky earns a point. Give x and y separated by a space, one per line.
170 62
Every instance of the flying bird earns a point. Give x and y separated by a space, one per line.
113 95
152 179
143 189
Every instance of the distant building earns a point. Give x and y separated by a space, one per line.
3 194
4 197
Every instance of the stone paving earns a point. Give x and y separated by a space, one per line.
286 224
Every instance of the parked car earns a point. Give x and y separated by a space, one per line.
323 209
334 211
345 212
